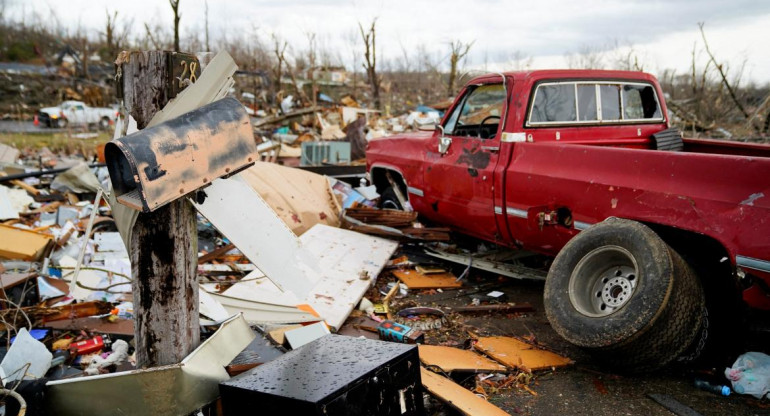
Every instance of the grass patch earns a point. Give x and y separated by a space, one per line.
68 142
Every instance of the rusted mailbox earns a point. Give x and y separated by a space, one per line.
160 164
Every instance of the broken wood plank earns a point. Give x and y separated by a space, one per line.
215 254
458 397
518 354
450 359
386 217
416 280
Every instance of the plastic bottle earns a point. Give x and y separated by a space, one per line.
714 388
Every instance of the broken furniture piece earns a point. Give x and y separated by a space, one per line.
333 375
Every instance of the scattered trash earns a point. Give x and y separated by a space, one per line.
393 331
416 280
750 374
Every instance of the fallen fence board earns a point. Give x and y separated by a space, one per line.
458 397
450 359
416 280
518 354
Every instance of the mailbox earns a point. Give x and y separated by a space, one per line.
160 164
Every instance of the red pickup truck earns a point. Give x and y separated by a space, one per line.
647 228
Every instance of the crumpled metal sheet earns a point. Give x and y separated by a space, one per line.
177 389
78 179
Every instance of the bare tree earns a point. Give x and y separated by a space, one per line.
459 51
722 72
587 57
175 7
152 39
208 47
312 47
370 60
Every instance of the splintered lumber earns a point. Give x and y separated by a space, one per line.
518 354
50 314
416 280
450 359
386 217
458 397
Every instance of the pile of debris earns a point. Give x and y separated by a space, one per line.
319 263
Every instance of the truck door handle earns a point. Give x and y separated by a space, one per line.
493 149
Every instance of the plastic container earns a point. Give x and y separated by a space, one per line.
714 388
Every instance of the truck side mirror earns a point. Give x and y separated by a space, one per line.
443 141
163 163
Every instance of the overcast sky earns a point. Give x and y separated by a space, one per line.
662 33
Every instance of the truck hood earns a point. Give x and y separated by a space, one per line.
51 110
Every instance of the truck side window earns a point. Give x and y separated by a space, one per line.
554 103
639 102
592 102
587 102
610 101
479 114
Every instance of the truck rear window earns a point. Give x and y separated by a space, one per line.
591 102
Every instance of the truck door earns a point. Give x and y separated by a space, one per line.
459 182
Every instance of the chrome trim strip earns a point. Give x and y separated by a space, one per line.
513 137
752 263
516 212
415 191
580 225
498 210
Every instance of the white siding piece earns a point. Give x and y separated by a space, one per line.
239 213
345 257
263 312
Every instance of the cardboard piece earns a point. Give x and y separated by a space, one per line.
450 359
416 280
518 354
301 199
306 334
458 397
21 244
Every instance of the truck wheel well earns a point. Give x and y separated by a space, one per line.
379 179
701 251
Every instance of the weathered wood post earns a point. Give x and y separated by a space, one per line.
164 243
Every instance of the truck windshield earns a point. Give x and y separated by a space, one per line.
479 112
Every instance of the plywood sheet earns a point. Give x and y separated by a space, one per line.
416 280
454 359
458 397
518 354
18 244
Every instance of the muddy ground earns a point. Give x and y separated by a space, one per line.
585 388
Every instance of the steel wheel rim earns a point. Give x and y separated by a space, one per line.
603 281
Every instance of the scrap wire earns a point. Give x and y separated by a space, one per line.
467 269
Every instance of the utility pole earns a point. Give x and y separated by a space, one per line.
164 243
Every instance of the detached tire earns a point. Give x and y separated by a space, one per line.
618 290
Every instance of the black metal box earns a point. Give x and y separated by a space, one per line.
333 375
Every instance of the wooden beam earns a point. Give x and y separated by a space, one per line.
164 243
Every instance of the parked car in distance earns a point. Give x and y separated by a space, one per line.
77 113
